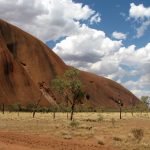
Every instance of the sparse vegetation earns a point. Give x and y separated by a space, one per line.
117 139
3 108
74 123
15 107
90 120
100 142
70 87
85 126
113 121
119 103
133 104
138 134
36 105
100 118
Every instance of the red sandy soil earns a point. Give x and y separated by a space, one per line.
20 141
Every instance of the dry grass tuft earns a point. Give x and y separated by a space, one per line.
100 142
138 134
74 124
85 127
117 139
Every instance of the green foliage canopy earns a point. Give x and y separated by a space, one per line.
69 85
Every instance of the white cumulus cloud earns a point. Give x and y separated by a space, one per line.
139 11
47 19
95 18
141 87
92 51
141 15
87 47
119 35
141 30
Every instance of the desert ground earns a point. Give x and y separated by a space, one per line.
88 131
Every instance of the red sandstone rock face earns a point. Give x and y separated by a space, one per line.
25 61
15 84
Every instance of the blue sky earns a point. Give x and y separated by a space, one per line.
112 18
114 14
106 37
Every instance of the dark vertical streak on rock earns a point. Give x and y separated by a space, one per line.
12 48
51 66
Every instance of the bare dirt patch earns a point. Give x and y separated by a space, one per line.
41 133
20 141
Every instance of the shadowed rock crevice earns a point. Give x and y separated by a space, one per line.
8 68
12 48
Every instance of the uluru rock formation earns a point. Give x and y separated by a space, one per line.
26 61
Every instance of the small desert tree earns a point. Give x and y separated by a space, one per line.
16 107
70 87
119 102
2 105
144 106
3 108
133 104
36 104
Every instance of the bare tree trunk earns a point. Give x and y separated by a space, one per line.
132 104
54 114
120 112
34 111
72 111
67 114
36 106
67 111
3 108
132 112
67 108
18 113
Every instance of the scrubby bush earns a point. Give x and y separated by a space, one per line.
100 142
117 139
113 121
74 123
30 107
138 134
100 118
14 107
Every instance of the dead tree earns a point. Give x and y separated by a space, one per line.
119 102
120 107
132 105
36 105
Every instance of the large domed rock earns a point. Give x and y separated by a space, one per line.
25 62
